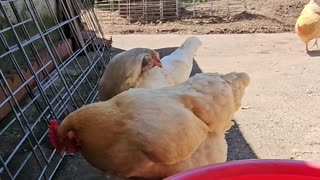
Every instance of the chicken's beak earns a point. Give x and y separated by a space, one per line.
158 63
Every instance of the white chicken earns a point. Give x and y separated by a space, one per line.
176 67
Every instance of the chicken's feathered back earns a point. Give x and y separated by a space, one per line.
157 133
124 70
222 94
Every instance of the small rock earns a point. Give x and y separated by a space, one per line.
246 107
197 22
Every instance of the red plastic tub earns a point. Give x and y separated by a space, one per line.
254 170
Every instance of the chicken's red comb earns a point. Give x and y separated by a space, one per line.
53 133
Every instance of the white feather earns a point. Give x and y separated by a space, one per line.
176 67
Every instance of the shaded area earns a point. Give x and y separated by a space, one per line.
243 16
238 148
75 167
314 53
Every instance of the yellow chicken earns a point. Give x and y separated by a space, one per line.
308 24
155 133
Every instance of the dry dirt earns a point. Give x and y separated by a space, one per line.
261 16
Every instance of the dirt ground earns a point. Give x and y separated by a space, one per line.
261 16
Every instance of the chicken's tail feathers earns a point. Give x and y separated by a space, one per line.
238 82
244 77
191 45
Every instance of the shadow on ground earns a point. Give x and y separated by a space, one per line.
238 148
314 53
75 167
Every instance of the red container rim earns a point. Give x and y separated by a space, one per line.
271 167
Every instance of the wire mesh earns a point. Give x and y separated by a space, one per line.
124 11
209 8
52 53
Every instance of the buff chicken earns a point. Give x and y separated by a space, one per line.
155 133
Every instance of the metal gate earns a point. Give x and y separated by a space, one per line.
52 53
210 8
124 11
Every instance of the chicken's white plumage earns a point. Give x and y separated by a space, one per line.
176 67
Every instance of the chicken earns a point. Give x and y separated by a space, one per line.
176 68
178 64
308 24
125 69
155 133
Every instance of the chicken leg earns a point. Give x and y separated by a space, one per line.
314 44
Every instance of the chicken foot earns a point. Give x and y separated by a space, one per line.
314 44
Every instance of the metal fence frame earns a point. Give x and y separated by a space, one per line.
209 8
139 10
122 12
51 86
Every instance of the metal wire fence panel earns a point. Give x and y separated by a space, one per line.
124 11
207 8
52 53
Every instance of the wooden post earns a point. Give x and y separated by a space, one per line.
177 7
161 9
75 22
194 7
